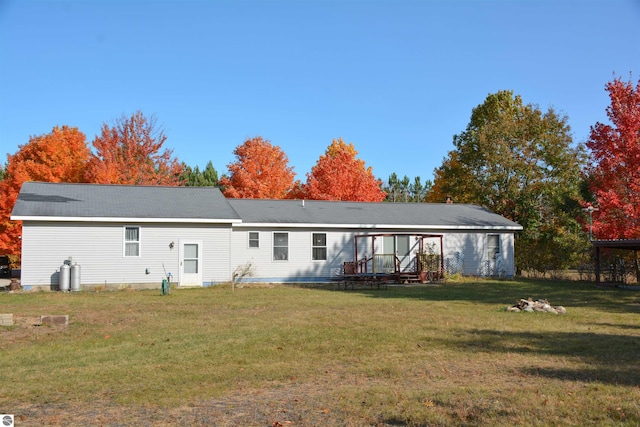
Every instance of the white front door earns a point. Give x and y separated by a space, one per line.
190 263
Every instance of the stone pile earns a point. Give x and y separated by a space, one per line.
541 305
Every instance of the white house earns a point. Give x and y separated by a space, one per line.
137 235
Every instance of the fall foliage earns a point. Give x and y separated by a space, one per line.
520 162
59 156
261 171
130 152
615 164
340 175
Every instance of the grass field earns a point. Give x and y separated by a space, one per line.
285 356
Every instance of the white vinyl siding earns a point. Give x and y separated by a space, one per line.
479 253
300 265
98 250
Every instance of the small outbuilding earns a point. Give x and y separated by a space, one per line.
137 235
614 270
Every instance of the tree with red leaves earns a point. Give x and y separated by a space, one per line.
615 164
130 152
260 172
59 156
340 175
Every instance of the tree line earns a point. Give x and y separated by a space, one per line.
512 158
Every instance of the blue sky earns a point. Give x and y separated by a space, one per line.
397 78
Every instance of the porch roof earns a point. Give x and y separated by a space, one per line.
630 244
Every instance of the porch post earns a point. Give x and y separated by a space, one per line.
596 248
355 248
441 260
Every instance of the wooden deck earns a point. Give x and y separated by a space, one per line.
379 270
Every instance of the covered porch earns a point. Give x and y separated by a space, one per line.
385 258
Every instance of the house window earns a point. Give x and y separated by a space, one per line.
319 247
132 241
281 246
254 239
493 246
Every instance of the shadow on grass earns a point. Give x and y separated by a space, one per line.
508 292
611 358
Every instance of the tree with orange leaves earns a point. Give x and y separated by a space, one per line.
260 172
339 175
130 153
59 156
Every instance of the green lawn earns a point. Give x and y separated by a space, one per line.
269 356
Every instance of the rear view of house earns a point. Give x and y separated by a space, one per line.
137 235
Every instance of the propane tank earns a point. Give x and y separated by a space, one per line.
75 277
64 278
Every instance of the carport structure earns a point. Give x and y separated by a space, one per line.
599 245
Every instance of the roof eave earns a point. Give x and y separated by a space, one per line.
127 219
379 226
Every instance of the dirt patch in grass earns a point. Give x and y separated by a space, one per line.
293 404
26 329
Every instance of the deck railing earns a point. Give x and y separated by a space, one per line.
385 263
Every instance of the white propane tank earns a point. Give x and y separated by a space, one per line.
64 278
75 277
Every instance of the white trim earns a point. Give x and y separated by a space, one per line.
412 227
273 246
125 241
326 249
249 240
239 224
181 279
117 219
487 247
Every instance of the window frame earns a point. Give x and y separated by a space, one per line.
256 240
315 247
497 250
126 243
273 253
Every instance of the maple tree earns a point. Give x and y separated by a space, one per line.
520 162
261 171
131 152
614 170
340 175
59 156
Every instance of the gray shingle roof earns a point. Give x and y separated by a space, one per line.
207 204
39 199
356 213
